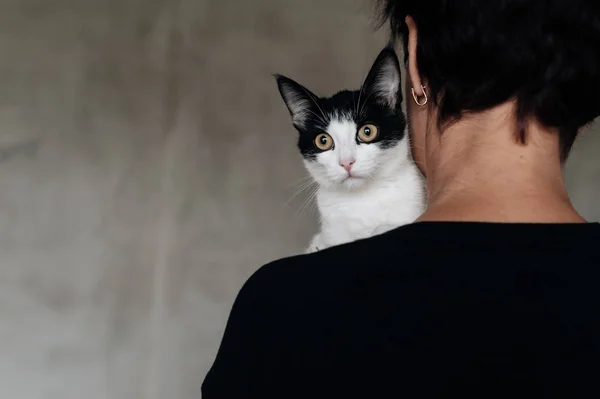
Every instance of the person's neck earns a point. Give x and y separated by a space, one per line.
479 172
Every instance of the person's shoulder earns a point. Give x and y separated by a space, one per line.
412 245
328 266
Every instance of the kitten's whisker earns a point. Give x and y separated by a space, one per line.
298 212
301 185
300 180
302 188
306 203
365 102
313 203
359 95
297 193
305 186
315 102
319 119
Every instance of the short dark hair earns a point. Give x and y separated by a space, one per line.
476 54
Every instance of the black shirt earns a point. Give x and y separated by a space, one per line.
429 310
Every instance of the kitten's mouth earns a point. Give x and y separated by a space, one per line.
352 182
353 175
351 178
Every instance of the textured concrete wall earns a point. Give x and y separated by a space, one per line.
145 164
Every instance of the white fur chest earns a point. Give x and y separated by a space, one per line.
379 207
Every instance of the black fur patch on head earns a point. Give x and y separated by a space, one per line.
378 102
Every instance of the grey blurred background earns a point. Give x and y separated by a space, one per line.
146 160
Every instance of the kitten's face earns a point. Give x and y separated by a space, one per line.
347 140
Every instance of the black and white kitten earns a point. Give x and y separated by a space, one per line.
355 147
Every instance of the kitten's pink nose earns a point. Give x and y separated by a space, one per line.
347 165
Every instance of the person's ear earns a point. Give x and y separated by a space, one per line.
413 66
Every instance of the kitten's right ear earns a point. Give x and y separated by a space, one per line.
298 99
384 81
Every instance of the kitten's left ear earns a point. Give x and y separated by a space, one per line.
384 81
298 99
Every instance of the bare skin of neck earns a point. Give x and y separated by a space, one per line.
477 171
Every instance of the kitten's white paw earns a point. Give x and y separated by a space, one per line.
315 245
384 228
311 249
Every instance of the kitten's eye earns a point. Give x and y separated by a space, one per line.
324 142
367 133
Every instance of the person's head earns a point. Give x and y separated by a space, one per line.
538 59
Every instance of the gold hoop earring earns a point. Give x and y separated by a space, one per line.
415 96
